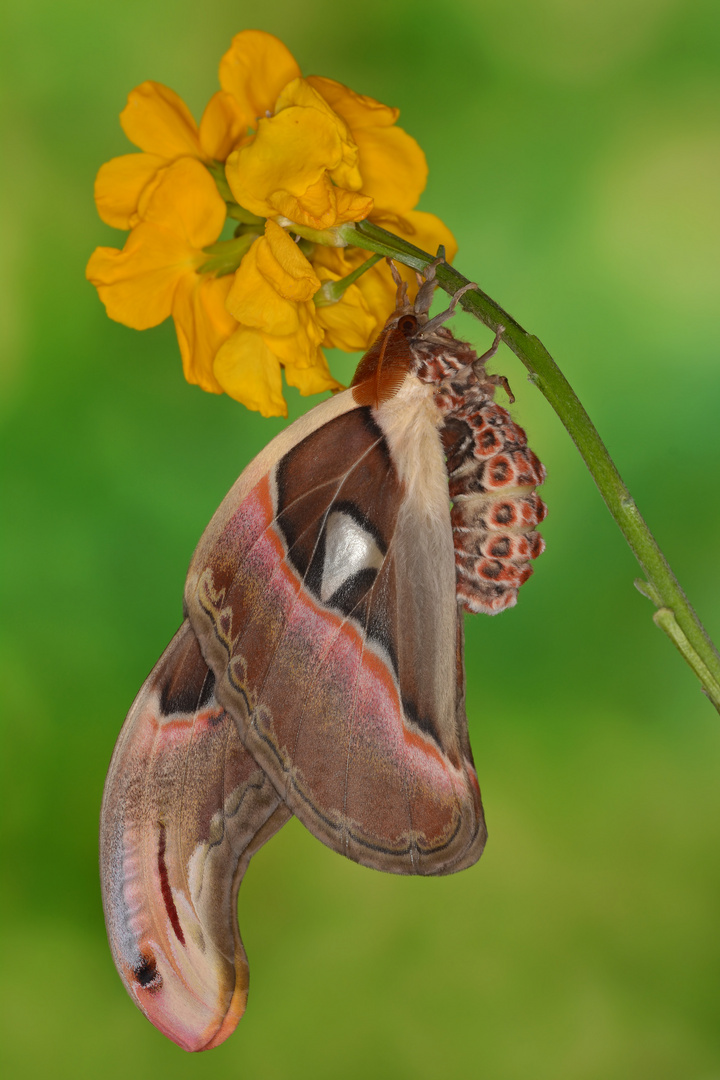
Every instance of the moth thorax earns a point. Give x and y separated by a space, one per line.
410 422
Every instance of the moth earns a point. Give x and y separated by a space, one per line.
319 670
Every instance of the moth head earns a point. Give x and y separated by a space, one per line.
423 327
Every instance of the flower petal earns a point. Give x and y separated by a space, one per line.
427 232
223 126
137 285
254 70
203 325
351 206
301 348
186 201
119 185
315 208
158 121
357 110
394 222
255 302
322 206
393 167
283 264
290 153
249 371
312 380
299 92
379 292
349 324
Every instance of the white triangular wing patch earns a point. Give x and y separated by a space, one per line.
349 548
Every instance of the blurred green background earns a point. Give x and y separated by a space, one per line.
574 149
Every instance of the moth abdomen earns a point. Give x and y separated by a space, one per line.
495 511
492 477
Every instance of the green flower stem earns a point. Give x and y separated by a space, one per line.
239 213
332 291
225 256
234 210
675 615
665 619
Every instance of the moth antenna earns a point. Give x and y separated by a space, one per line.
445 315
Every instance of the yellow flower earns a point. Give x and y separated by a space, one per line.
392 165
302 164
156 273
272 298
254 70
281 156
157 121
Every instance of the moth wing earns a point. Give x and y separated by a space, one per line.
184 808
323 597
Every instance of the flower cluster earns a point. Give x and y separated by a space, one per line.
281 161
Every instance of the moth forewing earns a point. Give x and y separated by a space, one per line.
184 808
347 699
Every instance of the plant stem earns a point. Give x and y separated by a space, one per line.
332 291
675 615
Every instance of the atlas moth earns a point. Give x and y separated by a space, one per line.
319 670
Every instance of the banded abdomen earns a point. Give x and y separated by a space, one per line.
492 475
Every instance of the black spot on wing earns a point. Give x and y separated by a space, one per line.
146 973
312 572
426 724
189 693
353 591
380 612
345 467
207 691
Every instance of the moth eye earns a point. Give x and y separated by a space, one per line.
408 325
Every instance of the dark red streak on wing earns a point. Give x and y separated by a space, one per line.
166 890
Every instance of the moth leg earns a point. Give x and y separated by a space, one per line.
402 302
438 320
479 362
478 367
